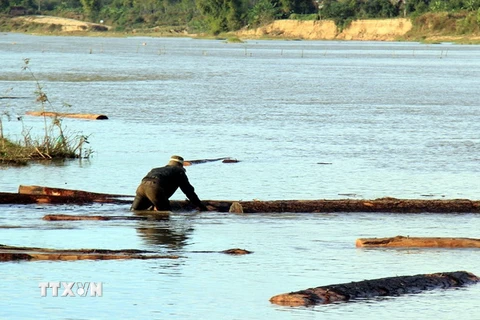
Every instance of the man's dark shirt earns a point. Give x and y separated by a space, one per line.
170 179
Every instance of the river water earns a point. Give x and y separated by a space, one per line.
306 119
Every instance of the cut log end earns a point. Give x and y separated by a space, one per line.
236 207
236 251
291 300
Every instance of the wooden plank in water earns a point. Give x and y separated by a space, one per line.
223 159
12 253
17 198
366 289
67 217
355 205
67 115
39 194
40 190
431 242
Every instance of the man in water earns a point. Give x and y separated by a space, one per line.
161 183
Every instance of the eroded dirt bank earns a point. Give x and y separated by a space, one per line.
378 30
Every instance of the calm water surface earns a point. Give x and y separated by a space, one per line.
307 120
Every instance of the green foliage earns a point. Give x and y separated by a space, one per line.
303 17
417 7
91 8
438 6
264 12
456 23
469 24
471 5
341 12
221 15
289 7
379 9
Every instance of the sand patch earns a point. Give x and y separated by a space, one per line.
67 25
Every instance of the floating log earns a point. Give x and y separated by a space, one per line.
17 198
354 205
11 253
224 160
274 206
430 242
236 251
366 289
39 190
67 115
12 98
38 194
66 217
233 252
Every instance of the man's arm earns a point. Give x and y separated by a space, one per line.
189 191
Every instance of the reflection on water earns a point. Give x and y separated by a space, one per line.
164 231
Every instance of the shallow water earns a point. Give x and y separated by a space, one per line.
307 120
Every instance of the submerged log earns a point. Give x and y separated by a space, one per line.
39 194
351 205
344 205
67 115
366 289
401 241
233 252
39 190
66 217
18 198
236 251
224 160
11 253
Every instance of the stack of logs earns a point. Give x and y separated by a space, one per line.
392 286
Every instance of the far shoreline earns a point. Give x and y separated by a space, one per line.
382 30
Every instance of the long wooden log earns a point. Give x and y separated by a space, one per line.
12 253
67 115
66 217
366 289
351 205
17 198
401 241
39 194
276 206
224 160
40 190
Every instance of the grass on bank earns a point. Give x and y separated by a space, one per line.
55 148
55 144
461 27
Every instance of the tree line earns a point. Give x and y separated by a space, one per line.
217 16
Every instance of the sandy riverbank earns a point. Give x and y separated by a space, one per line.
62 24
379 30
360 30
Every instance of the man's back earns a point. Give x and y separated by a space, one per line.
169 178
